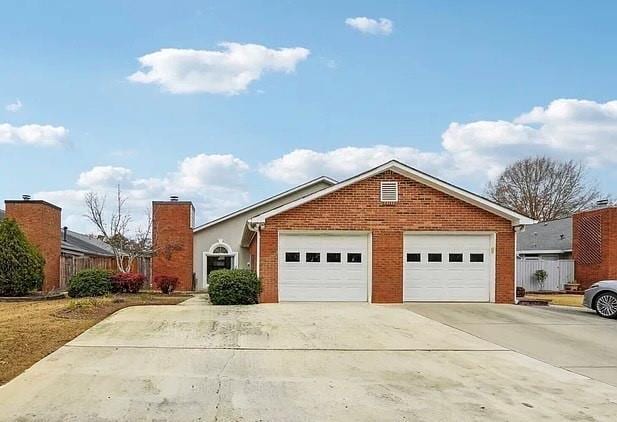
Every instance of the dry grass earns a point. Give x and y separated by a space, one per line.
561 299
29 331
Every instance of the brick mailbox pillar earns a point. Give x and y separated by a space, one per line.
40 222
172 238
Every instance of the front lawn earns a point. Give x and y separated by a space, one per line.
29 331
559 299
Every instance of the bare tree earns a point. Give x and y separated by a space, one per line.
544 189
115 230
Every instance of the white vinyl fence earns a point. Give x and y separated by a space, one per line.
558 273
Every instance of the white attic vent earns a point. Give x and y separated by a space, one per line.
389 191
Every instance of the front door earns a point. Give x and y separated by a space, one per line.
221 262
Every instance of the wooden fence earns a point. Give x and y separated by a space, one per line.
70 265
558 273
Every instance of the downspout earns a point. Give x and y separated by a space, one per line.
517 229
256 227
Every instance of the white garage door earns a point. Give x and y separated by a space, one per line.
447 268
323 267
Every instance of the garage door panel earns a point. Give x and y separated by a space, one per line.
455 277
323 280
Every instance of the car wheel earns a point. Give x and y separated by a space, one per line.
606 305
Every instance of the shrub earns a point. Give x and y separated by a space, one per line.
127 282
92 282
540 276
233 287
21 264
166 283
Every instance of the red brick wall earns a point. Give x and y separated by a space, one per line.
41 223
358 207
172 231
594 245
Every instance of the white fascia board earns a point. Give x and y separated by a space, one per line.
516 218
322 179
541 251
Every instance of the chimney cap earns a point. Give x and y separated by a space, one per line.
26 197
173 198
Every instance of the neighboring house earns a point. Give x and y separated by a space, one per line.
549 240
219 244
81 245
78 244
390 234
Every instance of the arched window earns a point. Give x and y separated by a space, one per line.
221 250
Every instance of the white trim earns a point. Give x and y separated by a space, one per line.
230 252
542 251
404 170
492 251
322 179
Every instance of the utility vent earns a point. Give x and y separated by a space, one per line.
389 191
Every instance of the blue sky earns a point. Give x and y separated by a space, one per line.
458 89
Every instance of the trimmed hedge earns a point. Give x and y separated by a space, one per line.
92 282
21 264
233 287
127 282
166 283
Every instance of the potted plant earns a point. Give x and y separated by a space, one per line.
540 276
572 286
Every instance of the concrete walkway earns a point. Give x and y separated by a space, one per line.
283 362
572 338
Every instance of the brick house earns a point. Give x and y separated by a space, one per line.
388 235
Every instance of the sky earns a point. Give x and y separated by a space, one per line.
227 102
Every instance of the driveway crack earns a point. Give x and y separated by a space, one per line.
220 382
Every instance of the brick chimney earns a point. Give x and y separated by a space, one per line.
172 238
40 222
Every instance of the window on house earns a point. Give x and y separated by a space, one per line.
413 257
434 257
389 191
455 257
333 257
220 249
476 257
313 257
354 257
292 256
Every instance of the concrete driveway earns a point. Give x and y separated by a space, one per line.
283 362
572 338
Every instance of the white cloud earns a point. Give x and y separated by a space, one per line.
303 164
381 26
14 107
215 183
477 151
104 176
227 71
42 135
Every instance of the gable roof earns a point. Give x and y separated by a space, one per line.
414 174
549 236
322 179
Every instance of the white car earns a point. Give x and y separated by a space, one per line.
602 298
